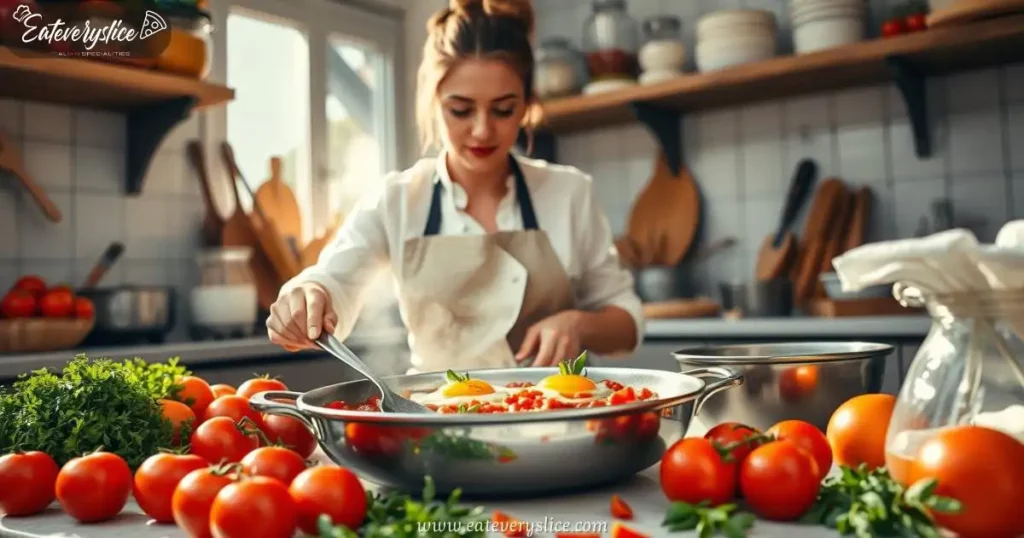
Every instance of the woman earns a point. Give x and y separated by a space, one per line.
496 258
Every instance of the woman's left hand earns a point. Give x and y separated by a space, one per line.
553 339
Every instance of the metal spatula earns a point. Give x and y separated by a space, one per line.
390 402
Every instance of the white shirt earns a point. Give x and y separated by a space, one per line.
373 236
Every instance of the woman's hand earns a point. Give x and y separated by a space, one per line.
553 339
297 318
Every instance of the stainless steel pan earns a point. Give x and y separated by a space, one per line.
503 454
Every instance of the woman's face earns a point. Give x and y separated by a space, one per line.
482 106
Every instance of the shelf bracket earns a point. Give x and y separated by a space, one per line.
544 146
667 126
147 127
911 83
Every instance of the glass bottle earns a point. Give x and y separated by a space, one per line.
969 370
611 40
560 71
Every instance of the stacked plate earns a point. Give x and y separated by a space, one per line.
823 24
734 37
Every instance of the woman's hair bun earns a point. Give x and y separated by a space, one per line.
522 10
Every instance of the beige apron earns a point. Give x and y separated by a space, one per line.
468 300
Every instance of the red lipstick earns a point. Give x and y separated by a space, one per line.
481 151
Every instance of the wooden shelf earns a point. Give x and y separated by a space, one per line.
933 52
153 102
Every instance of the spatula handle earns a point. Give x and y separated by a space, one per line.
801 185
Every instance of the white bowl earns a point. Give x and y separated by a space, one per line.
804 5
715 56
838 12
654 77
224 306
739 30
827 33
723 22
759 41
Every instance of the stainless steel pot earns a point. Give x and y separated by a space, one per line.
503 454
805 381
127 313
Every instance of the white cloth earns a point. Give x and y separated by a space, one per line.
373 235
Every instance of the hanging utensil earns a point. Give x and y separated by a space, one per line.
278 204
103 265
777 250
390 402
213 223
10 160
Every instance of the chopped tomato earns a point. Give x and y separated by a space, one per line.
509 526
577 535
619 530
620 509
622 396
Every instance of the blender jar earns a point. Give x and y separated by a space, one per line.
225 302
968 371
610 39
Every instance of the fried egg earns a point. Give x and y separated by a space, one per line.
462 390
572 388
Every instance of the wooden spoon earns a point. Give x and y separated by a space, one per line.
213 223
10 159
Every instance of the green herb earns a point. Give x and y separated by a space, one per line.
90 405
575 366
160 378
397 515
462 447
869 503
455 377
463 408
707 520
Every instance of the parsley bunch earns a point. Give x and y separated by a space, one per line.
708 520
90 405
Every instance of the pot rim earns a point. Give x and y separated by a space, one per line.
789 353
701 390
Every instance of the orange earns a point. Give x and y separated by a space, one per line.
856 432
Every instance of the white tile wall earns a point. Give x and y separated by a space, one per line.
77 155
744 157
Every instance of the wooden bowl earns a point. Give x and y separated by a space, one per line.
34 335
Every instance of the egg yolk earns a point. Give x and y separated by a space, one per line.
568 384
470 387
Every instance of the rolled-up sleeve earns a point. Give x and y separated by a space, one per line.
353 259
602 280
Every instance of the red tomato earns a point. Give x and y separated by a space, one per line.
780 481
330 490
798 382
257 507
195 393
94 487
692 471
57 303
742 438
291 433
259 384
984 470
509 526
274 462
18 304
193 499
221 439
577 535
893 27
809 438
621 509
234 407
619 530
32 284
916 22
157 478
84 309
27 481
220 389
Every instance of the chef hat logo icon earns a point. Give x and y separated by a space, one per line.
151 24
21 12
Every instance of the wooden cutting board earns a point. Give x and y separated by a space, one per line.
827 197
682 308
665 216
968 11
859 218
278 204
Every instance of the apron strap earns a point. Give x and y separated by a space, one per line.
526 210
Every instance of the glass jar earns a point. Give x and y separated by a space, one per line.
969 370
560 71
663 48
189 51
225 303
610 40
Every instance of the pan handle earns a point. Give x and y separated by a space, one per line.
726 378
264 402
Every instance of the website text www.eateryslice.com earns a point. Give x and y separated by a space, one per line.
547 525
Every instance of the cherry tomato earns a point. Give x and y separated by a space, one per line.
291 433
33 284
84 308
18 304
856 432
984 470
57 303
27 481
94 487
809 438
195 393
221 439
157 478
893 27
798 382
234 407
178 413
255 507
693 471
220 389
741 438
274 462
330 490
259 384
916 22
194 496
780 481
